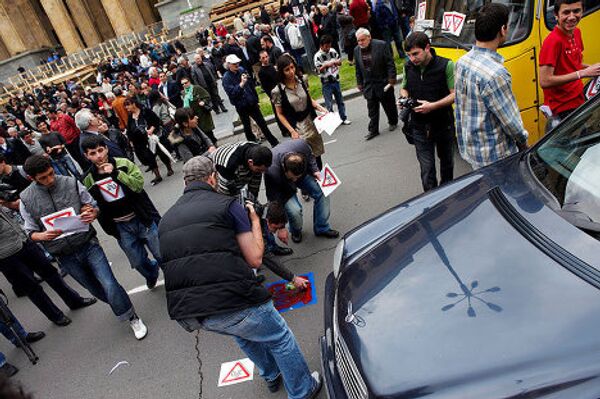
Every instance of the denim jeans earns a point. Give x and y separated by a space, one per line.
266 339
321 211
390 33
65 166
90 268
426 145
330 90
7 332
134 237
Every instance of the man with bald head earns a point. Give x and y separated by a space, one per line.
203 74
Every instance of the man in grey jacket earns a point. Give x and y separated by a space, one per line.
376 77
53 197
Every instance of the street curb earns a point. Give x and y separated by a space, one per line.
347 95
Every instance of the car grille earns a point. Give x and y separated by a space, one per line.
351 379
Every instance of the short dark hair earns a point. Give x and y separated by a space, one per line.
558 3
91 143
326 39
267 38
416 40
260 155
489 20
36 164
276 213
24 133
2 158
295 162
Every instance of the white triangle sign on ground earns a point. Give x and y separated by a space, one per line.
329 180
236 372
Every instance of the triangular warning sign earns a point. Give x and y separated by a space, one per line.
109 187
51 220
457 20
328 178
237 372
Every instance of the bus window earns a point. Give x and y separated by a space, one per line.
519 22
589 6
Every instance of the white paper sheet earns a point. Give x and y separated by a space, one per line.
328 122
70 225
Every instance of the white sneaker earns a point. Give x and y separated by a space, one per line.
346 122
139 328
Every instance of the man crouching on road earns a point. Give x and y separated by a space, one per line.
209 248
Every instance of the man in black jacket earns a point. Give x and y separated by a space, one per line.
429 79
376 77
210 283
14 150
170 90
203 75
293 167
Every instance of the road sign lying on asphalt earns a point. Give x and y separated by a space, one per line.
236 372
329 180
286 299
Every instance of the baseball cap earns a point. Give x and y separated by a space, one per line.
198 168
232 59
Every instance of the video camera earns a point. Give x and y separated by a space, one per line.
8 193
407 102
244 197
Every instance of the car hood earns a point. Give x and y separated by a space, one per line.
458 302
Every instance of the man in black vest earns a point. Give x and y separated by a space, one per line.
429 79
211 284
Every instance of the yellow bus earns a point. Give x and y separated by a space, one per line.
451 25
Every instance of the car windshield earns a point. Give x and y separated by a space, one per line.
568 165
519 21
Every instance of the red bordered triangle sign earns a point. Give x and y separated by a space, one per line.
50 220
329 179
236 372
110 187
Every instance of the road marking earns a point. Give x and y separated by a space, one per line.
330 142
143 288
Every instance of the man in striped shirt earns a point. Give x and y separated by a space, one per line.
240 164
488 123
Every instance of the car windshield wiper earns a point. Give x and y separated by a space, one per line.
464 46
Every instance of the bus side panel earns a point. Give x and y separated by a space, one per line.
523 69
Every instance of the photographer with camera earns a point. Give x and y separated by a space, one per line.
211 285
13 180
429 80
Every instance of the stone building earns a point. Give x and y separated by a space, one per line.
28 28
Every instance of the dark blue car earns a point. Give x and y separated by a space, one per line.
487 287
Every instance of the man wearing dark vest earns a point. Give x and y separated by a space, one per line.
209 250
52 197
429 79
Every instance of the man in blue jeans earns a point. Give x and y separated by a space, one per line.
327 63
126 211
211 284
293 167
52 197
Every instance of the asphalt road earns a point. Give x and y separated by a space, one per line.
75 361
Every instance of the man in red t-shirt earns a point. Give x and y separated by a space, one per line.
561 62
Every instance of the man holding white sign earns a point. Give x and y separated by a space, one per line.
80 254
126 211
293 167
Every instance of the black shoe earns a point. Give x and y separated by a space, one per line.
317 388
148 169
224 110
170 172
275 384
63 321
297 237
329 234
8 370
32 337
155 181
281 251
152 283
85 302
217 111
371 135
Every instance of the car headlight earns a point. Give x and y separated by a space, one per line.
337 258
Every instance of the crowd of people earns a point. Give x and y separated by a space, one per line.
68 150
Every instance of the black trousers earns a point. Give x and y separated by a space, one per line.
215 99
254 112
427 141
18 270
388 102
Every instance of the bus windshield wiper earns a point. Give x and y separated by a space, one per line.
463 46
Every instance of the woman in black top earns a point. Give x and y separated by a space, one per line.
141 124
188 137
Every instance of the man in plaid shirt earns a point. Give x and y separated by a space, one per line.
488 123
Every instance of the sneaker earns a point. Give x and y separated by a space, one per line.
8 370
297 237
155 181
346 122
318 385
329 234
139 328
